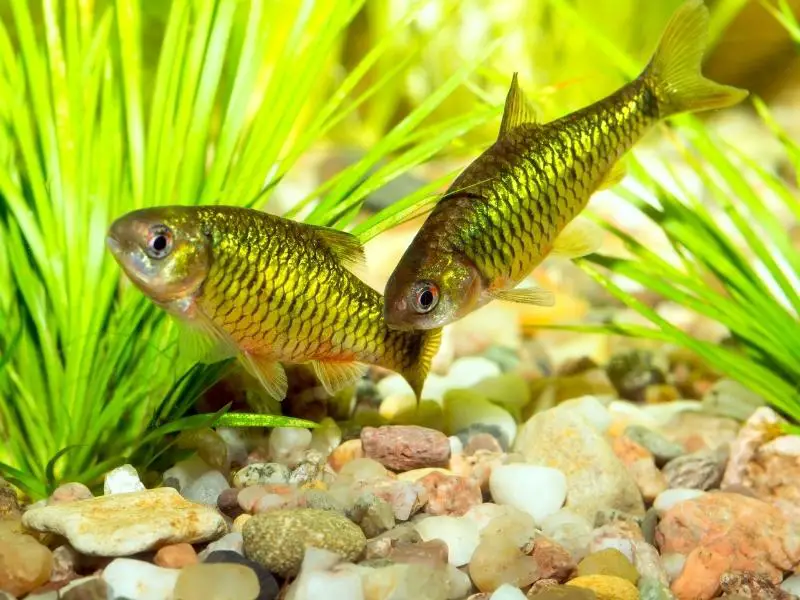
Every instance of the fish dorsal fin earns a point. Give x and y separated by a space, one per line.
579 238
269 373
528 295
347 247
517 110
335 375
615 174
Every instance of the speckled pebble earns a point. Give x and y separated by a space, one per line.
261 473
278 539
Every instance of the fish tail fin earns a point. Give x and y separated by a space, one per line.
675 68
418 372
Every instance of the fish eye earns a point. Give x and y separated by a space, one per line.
159 241
424 297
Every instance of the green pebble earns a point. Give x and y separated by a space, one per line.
653 589
662 449
278 539
609 561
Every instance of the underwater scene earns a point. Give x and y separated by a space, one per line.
399 299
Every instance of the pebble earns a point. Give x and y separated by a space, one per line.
345 453
405 410
69 492
698 431
465 408
287 444
404 581
510 390
653 589
373 514
498 560
564 592
661 448
460 534
669 498
184 472
220 581
791 584
25 564
208 444
228 503
564 439
9 503
608 562
642 467
632 372
553 560
752 585
326 437
121 480
468 371
405 497
85 588
507 592
570 530
406 447
236 444
730 398
267 584
65 560
206 488
175 556
450 495
128 523
231 542
137 579
278 539
607 587
260 474
381 545
721 532
701 470
321 584
539 491
238 523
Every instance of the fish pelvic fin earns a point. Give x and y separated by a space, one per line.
675 68
418 372
336 375
269 372
518 109
579 238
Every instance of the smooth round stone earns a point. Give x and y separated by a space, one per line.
394 385
669 498
206 488
208 444
460 534
70 492
216 582
607 587
323 584
268 586
507 592
570 530
236 445
85 588
186 471
121 480
512 525
660 447
260 474
362 469
608 562
458 583
131 578
464 408
467 371
326 437
25 564
231 542
483 514
509 389
791 585
404 410
593 410
673 564
538 491
286 444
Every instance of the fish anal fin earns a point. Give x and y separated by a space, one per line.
345 246
335 375
527 295
518 109
614 176
269 373
579 238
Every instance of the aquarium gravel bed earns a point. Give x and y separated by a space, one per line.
646 477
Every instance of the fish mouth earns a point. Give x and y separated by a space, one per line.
113 244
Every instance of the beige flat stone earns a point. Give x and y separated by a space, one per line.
128 523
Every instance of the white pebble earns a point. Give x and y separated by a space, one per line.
206 488
394 385
137 579
791 585
121 480
469 370
669 498
459 584
231 541
186 471
594 411
482 514
321 584
456 446
538 491
570 530
435 387
235 443
287 443
507 592
673 565
461 536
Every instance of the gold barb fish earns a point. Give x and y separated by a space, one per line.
267 290
517 203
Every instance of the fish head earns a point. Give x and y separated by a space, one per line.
163 250
430 289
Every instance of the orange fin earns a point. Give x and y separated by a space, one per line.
615 174
335 375
347 247
517 110
269 373
531 295
579 238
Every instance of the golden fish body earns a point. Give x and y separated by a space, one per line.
268 290
517 203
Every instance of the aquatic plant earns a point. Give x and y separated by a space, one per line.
724 217
235 94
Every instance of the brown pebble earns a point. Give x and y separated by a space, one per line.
228 503
70 492
344 453
91 589
482 441
175 556
432 553
9 504
554 561
540 586
406 447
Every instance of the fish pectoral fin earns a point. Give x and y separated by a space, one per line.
201 341
518 109
347 247
614 176
579 238
335 375
269 373
530 295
